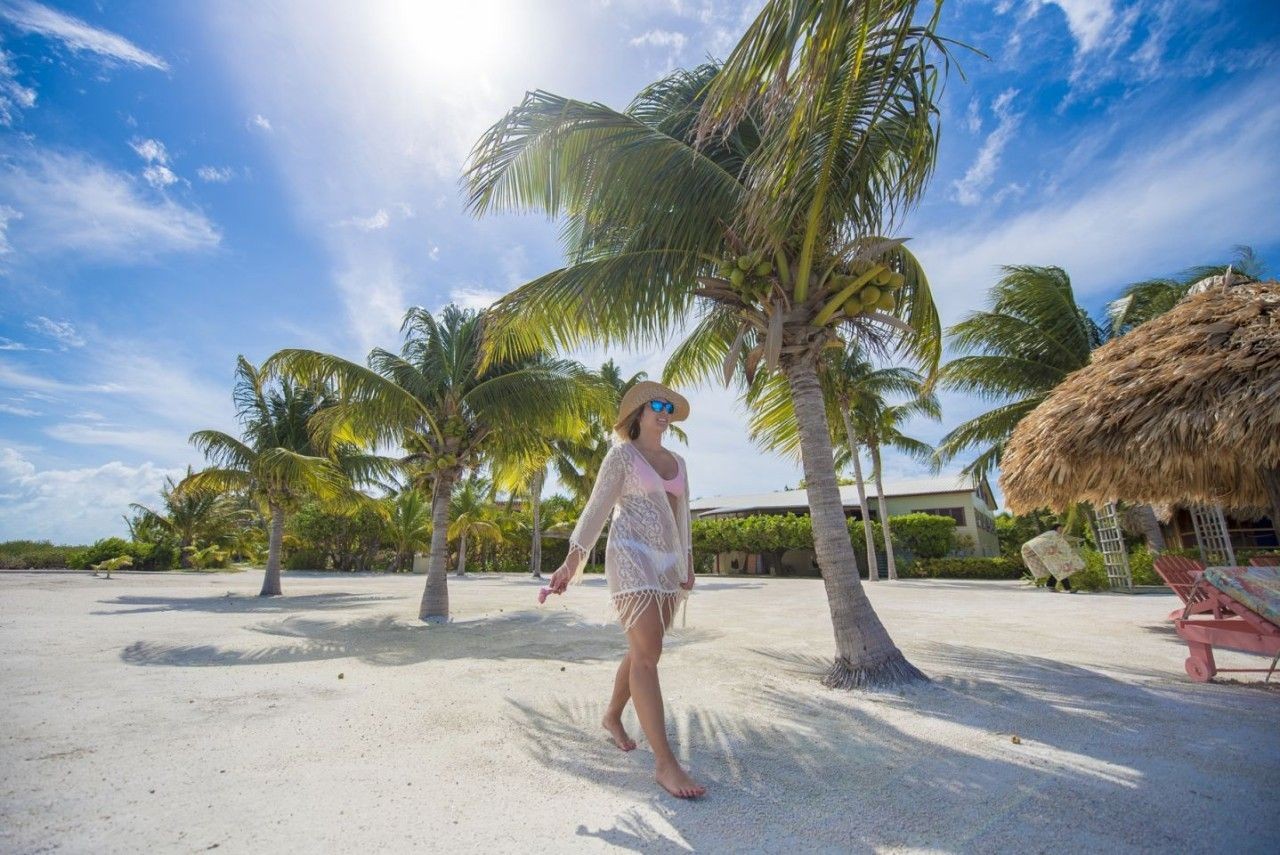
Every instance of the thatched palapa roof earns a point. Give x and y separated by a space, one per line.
1184 408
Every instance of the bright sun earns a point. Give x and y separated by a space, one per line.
452 40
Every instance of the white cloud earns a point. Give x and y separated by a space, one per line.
215 174
1153 209
10 344
14 410
72 506
7 215
470 297
969 189
661 38
63 331
159 177
71 204
78 35
13 95
380 219
38 385
1092 23
152 151
261 122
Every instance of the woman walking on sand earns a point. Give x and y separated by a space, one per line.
648 561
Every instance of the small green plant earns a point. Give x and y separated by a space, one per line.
112 564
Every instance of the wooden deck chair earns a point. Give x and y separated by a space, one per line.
1180 574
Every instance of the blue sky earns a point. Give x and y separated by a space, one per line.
182 183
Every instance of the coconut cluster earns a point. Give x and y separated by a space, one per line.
751 274
877 293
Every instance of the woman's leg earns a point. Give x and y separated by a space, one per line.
612 720
645 638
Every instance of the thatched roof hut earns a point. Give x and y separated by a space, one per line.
1184 408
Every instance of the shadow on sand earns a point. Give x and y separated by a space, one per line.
387 640
242 603
935 766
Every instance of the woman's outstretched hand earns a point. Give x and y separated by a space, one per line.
560 579
687 584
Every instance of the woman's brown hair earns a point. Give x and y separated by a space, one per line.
629 428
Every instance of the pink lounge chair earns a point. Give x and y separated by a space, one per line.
1180 574
1237 608
1265 561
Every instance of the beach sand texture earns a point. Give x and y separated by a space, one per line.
176 712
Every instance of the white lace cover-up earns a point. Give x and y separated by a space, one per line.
649 551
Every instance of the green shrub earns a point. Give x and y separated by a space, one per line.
305 559
924 535
963 568
146 556
36 554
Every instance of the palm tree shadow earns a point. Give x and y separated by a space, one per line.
386 640
240 603
859 772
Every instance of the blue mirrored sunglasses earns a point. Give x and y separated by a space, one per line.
658 406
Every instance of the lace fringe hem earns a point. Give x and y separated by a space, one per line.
625 608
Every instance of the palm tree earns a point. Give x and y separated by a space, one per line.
447 408
408 524
281 458
189 517
880 427
1033 335
470 510
1142 301
754 193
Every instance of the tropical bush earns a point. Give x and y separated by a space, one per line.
963 568
924 535
35 554
146 556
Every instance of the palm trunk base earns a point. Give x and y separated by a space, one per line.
891 672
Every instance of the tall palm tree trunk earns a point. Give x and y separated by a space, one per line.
462 554
435 598
271 579
884 513
866 656
535 504
873 569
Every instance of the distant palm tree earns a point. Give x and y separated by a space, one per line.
879 426
281 458
756 192
1033 335
1143 301
448 408
189 517
851 384
471 515
408 525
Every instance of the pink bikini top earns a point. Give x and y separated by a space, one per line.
674 485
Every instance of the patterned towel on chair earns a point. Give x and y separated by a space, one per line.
1257 588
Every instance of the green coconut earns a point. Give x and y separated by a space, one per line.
897 280
886 303
869 295
738 278
764 268
745 263
852 306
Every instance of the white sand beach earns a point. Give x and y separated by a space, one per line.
181 713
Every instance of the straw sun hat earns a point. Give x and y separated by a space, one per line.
644 392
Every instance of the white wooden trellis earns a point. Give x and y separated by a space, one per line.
1110 540
1211 536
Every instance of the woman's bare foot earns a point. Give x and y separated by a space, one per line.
678 783
618 732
